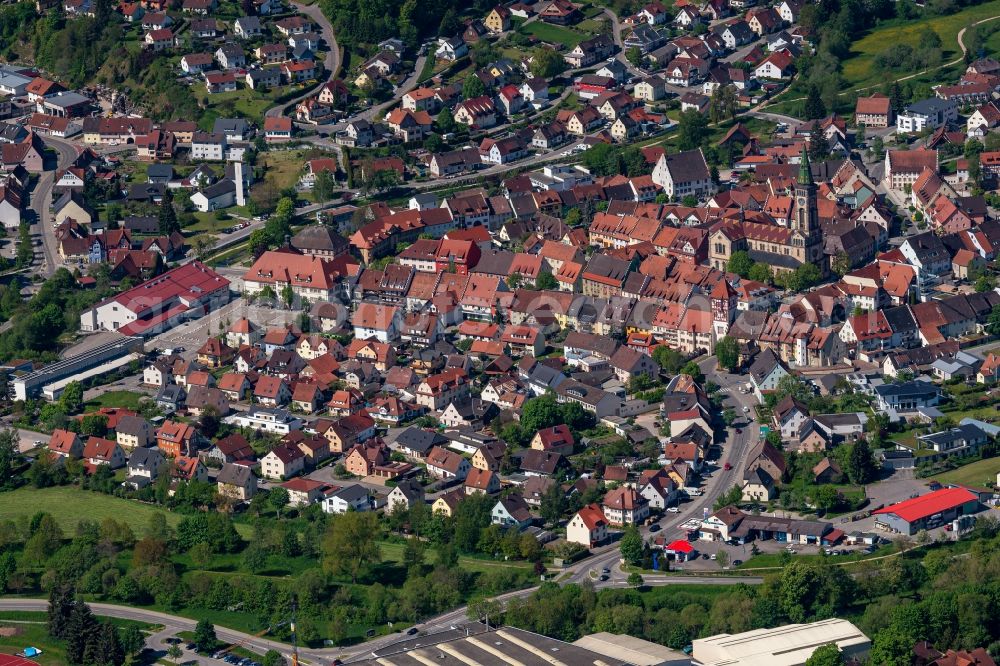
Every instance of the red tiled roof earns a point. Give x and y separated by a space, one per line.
874 105
592 516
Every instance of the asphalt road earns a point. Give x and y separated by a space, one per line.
331 63
448 622
41 201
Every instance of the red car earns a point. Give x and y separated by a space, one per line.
727 467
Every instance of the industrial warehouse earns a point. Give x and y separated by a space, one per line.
927 511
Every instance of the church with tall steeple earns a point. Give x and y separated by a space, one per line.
783 248
805 220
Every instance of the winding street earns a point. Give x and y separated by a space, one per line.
331 63
616 33
41 202
319 656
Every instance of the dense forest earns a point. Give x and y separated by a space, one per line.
370 21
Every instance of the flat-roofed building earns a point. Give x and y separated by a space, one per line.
790 645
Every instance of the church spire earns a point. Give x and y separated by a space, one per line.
805 173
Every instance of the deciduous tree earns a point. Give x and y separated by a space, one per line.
473 87
727 351
631 545
740 263
826 655
547 63
349 546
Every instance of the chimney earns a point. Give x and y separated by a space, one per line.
240 183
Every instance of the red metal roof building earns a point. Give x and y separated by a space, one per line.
158 304
927 511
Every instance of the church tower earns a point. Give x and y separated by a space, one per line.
806 216
806 220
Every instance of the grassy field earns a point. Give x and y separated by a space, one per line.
980 473
207 222
125 399
591 25
246 102
428 70
70 505
858 68
991 45
33 635
31 631
282 168
554 34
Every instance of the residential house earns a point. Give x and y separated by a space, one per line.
625 506
350 498
175 439
511 511
284 461
132 432
144 467
588 527
236 482
445 464
479 481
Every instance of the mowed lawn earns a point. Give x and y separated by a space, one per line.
858 69
982 473
554 34
123 399
30 630
29 634
70 505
